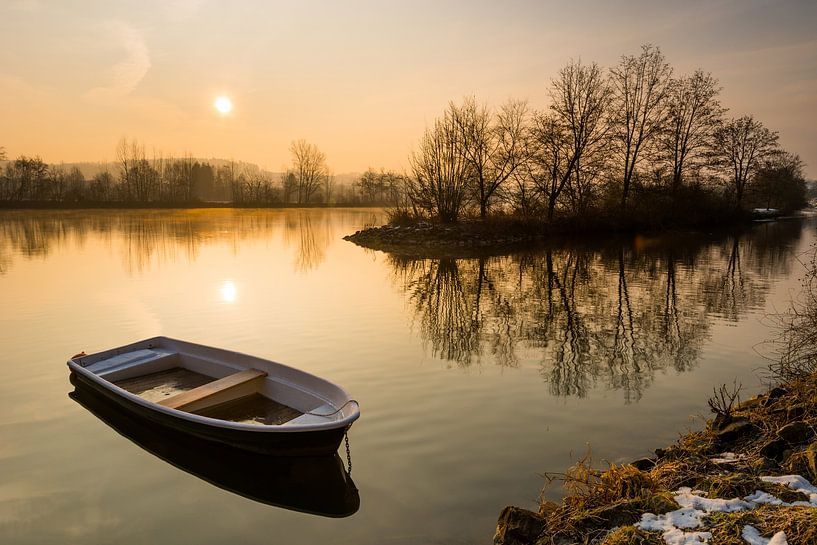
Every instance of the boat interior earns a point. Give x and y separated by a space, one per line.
208 387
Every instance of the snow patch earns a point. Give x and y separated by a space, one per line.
764 498
796 483
728 458
679 537
753 537
693 499
680 518
695 506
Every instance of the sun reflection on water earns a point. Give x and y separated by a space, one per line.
228 291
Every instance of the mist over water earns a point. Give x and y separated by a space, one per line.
474 375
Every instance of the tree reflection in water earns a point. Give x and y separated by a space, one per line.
312 233
154 236
612 314
590 314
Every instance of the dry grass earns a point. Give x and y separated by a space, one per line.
798 523
588 487
730 485
597 500
629 535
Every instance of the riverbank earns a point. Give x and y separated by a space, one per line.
745 479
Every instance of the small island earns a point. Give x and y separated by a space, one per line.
632 148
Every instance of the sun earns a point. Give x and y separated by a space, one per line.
223 104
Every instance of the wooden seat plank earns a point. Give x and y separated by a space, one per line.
219 391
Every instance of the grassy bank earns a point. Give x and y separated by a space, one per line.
732 461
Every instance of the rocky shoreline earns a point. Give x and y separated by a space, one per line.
428 239
745 479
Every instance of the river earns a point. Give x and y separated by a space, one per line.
474 375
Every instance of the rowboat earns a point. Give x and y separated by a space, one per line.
220 395
318 485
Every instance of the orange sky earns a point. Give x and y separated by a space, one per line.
361 79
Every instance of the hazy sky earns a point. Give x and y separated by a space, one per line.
361 79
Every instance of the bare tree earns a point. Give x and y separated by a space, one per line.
123 157
587 177
27 178
140 181
56 186
576 124
521 193
492 143
639 89
550 157
179 177
441 173
370 186
693 114
288 186
75 185
779 182
101 186
741 145
328 187
309 168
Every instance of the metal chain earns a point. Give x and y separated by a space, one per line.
348 453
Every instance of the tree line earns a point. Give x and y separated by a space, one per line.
142 179
635 138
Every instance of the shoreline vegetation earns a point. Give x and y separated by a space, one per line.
747 478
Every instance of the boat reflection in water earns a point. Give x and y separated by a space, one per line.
317 485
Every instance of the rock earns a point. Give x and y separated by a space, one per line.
774 449
720 421
804 462
795 433
737 428
773 395
778 411
643 464
660 452
517 526
795 412
787 454
777 392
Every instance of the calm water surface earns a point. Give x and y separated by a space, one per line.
474 375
